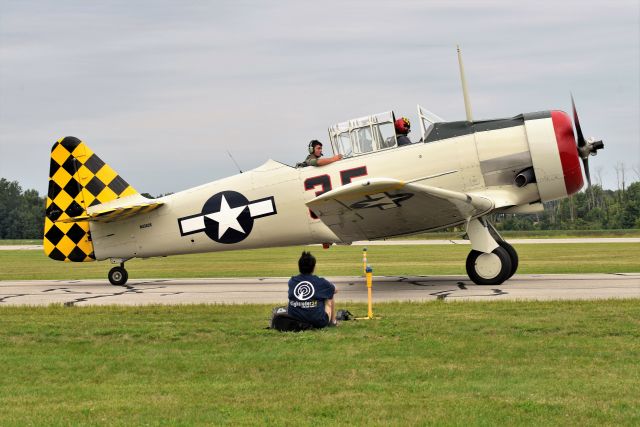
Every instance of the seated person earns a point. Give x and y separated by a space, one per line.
310 296
315 152
403 127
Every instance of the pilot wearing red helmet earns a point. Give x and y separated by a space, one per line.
403 127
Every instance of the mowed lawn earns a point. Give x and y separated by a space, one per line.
338 260
479 363
476 363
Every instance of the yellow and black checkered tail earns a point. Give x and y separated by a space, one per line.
77 179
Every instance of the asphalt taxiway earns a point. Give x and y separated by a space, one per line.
396 242
273 290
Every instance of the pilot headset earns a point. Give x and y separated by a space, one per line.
311 145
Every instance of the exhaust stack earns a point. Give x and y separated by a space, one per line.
525 177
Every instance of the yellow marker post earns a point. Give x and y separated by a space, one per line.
364 261
369 273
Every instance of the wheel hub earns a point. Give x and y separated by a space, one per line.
488 266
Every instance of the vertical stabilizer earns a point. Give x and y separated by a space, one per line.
77 179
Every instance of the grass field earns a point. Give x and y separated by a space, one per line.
6 242
499 363
488 363
338 260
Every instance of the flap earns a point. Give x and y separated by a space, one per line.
116 213
383 207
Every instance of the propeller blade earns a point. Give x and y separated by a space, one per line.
581 141
585 163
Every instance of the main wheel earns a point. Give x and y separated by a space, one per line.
118 276
513 255
489 268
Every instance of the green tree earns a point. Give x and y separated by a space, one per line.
593 209
630 212
21 214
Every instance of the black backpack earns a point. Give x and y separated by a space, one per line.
283 322
344 315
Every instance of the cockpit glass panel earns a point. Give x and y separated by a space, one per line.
374 133
387 135
344 145
427 119
364 139
363 135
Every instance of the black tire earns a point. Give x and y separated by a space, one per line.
513 255
118 276
492 269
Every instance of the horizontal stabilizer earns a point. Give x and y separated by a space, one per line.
119 213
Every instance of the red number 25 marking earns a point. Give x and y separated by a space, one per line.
324 181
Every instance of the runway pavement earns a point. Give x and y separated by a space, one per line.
396 242
274 290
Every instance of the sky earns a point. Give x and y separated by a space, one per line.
160 90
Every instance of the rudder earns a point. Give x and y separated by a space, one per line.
78 179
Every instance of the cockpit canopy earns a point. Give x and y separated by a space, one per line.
374 133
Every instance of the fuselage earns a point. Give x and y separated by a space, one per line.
466 157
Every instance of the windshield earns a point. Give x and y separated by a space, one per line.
427 119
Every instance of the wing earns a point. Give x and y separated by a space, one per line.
118 213
383 207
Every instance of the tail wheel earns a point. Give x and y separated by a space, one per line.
513 255
489 268
118 276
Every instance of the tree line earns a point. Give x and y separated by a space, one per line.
22 212
592 209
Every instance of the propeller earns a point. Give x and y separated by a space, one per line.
585 147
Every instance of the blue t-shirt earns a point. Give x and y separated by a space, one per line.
307 294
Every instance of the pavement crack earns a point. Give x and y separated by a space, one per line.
129 289
66 290
3 299
417 283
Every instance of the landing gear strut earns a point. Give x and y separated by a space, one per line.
491 260
118 276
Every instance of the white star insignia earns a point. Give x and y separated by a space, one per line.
227 217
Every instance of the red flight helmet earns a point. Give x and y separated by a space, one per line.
403 126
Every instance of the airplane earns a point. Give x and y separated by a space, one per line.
458 173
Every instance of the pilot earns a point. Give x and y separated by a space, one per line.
315 152
310 296
403 127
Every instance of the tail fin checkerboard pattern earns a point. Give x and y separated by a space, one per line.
78 179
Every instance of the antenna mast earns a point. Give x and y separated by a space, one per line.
234 161
465 94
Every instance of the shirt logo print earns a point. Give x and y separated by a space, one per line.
304 290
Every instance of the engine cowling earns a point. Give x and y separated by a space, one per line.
554 155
